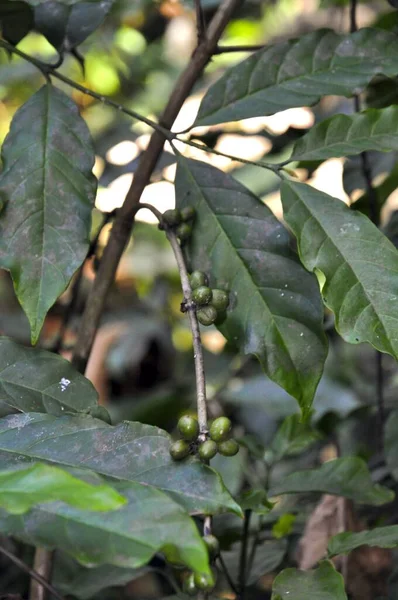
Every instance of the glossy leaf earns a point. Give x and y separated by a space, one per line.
67 26
292 437
383 537
128 537
348 477
39 381
358 262
48 190
344 135
323 583
16 20
391 443
246 251
298 73
130 452
21 489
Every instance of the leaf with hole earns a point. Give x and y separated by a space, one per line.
48 190
298 73
23 488
359 264
348 477
345 542
129 452
34 380
128 537
323 583
345 135
247 252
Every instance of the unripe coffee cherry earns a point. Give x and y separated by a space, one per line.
188 427
188 213
212 544
197 279
228 448
179 450
172 217
188 585
220 429
207 450
202 295
207 315
183 232
204 582
220 299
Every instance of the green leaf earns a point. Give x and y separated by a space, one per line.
359 263
34 380
256 500
323 583
343 135
246 251
391 443
283 526
62 2
23 488
130 452
298 73
383 537
292 437
67 26
16 20
48 188
128 537
348 477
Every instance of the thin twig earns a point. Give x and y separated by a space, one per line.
243 554
353 16
248 48
123 223
200 21
227 574
32 573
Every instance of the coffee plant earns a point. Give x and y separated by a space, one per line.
201 402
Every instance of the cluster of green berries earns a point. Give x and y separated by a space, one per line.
195 582
218 439
180 221
211 303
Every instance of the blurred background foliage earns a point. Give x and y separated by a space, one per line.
142 360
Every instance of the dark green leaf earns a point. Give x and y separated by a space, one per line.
128 537
391 443
292 437
298 73
246 251
49 189
65 26
383 537
38 381
268 556
348 477
128 452
23 488
382 92
358 262
323 583
343 135
16 20
257 501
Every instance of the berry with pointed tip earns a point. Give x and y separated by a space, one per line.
172 217
188 213
220 299
183 232
212 545
220 429
202 295
207 450
179 450
197 279
207 315
228 447
204 582
188 585
188 427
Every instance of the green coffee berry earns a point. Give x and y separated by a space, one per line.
179 450
172 217
204 582
188 585
183 232
197 279
220 299
212 544
188 213
188 427
228 448
207 450
206 315
202 295
220 429
100 412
